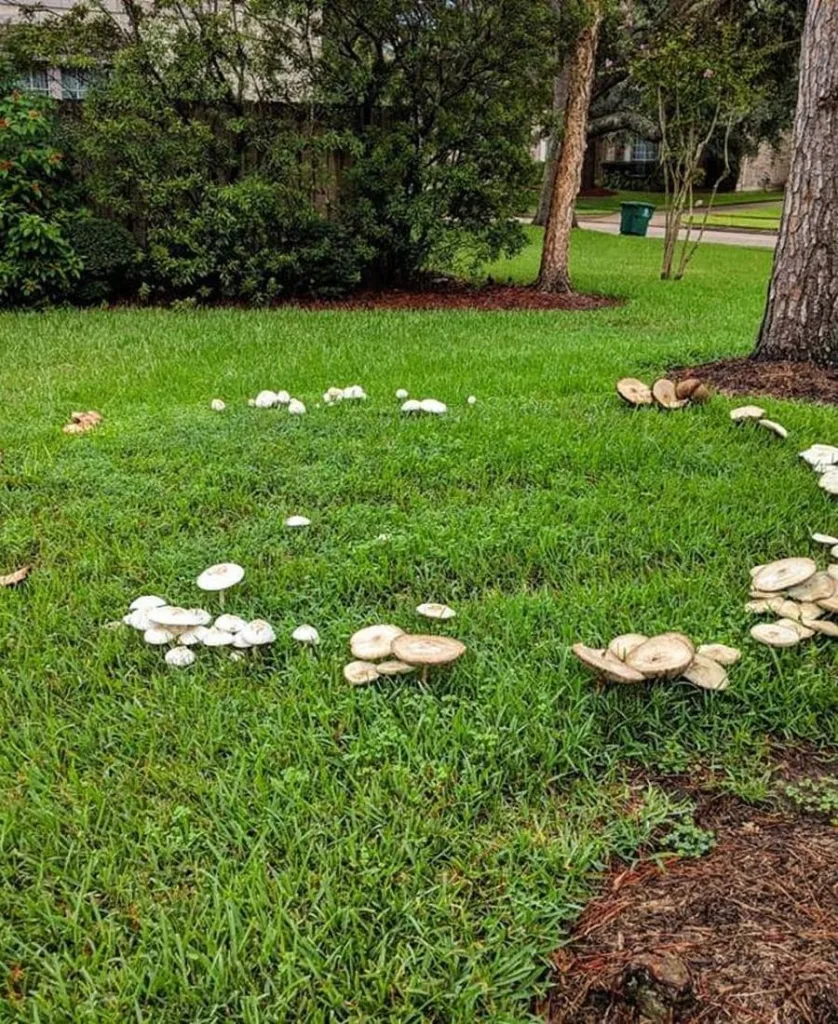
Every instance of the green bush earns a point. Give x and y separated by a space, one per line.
109 254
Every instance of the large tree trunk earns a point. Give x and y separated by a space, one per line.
801 318
553 149
554 275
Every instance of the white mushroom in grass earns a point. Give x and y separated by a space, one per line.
215 637
180 657
230 623
297 522
306 634
432 610
354 393
374 642
774 427
219 578
747 412
149 601
258 633
412 405
402 394
393 667
433 406
663 655
138 620
158 635
217 405
471 400
283 398
192 637
607 665
265 400
825 538
296 407
179 619
359 673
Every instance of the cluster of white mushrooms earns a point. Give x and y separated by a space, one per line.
755 414
354 393
181 629
334 395
276 399
823 458
664 392
387 650
634 658
799 594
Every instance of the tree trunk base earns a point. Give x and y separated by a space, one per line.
554 284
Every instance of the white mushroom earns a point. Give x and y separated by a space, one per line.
634 391
747 412
296 522
354 392
220 577
471 400
395 668
217 405
432 610
148 601
622 645
158 635
265 400
282 398
258 633
775 635
374 642
306 635
179 619
774 427
412 405
818 538
180 657
138 620
230 623
721 653
432 406
360 672
240 642
402 394
829 481
215 637
190 637
296 407
427 651
820 456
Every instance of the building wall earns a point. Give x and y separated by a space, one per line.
768 168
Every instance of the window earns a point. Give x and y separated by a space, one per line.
35 80
643 151
73 84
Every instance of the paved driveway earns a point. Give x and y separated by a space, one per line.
610 225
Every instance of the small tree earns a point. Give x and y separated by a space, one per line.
701 82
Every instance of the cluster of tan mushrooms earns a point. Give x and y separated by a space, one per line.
387 650
755 414
664 392
799 594
81 422
634 658
823 458
181 629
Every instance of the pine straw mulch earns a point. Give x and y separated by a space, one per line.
748 933
444 295
778 379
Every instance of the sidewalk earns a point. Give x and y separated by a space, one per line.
610 225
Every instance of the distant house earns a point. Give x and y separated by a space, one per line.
767 169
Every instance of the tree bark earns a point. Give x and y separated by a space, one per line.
553 149
801 316
554 275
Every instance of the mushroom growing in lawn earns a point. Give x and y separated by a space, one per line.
401 394
265 400
296 522
215 637
412 405
634 391
663 392
219 578
664 655
258 633
158 635
471 400
434 407
180 657
774 427
283 398
360 672
217 405
306 635
296 407
431 610
607 665
148 601
177 620
374 642
230 623
426 652
354 392
747 412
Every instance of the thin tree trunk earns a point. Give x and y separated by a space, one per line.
801 317
553 148
554 275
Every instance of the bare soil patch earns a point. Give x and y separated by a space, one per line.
747 933
779 379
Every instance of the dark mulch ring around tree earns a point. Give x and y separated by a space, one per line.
777 379
444 295
746 933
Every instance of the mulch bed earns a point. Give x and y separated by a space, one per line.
747 933
485 298
778 379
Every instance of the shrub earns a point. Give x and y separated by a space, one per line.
109 254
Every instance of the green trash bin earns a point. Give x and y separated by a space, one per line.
635 217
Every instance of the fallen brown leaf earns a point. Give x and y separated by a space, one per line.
15 577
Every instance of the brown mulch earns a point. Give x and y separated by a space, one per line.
778 379
747 933
483 298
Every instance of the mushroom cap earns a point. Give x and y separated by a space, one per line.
360 672
158 635
257 633
265 400
816 588
427 650
820 456
149 601
607 665
625 642
230 623
785 573
663 655
190 637
374 642
220 577
829 604
634 391
685 640
138 620
393 667
471 400
282 398
306 635
173 617
775 635
354 392
706 673
412 405
774 427
685 388
434 407
804 632
701 395
218 405
757 607
296 407
746 412
180 657
240 643
829 481
402 394
825 626
720 653
663 392
215 637
431 610
295 522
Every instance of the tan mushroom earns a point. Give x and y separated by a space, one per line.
395 668
663 392
360 672
785 573
816 588
374 642
634 391
774 427
607 665
706 673
432 610
663 655
747 412
621 645
721 653
427 651
825 626
774 635
686 388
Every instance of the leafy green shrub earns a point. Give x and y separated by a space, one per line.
37 262
252 241
109 255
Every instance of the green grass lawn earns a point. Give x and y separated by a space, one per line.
258 841
596 205
764 217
